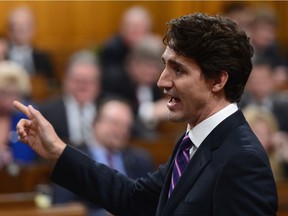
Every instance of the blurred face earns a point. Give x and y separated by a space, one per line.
189 94
7 95
21 27
145 72
263 35
113 127
263 133
260 83
243 18
83 82
135 27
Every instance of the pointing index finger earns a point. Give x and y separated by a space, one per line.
22 108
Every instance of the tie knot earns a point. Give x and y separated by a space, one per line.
186 143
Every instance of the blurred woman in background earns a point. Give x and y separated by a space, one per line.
14 85
265 126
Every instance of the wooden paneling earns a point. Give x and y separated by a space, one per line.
24 178
282 188
162 145
65 26
71 209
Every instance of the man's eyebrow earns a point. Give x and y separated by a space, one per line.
171 61
175 63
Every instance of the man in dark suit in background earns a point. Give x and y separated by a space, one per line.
219 168
139 85
260 91
21 30
110 146
136 23
81 88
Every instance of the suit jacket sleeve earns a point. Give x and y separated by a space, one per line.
106 187
242 189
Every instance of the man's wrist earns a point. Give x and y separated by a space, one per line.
59 149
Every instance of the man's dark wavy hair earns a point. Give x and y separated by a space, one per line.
217 44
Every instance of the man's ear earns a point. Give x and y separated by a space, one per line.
219 82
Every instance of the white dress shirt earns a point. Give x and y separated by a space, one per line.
198 133
99 154
80 120
23 56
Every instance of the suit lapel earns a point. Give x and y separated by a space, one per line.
200 159
198 162
164 193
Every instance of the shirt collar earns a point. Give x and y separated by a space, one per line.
198 133
70 100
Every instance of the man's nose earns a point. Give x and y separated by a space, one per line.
164 81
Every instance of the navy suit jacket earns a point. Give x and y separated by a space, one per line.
137 164
228 175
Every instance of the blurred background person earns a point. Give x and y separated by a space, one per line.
14 85
73 112
136 23
3 47
110 146
143 67
264 41
241 13
260 91
261 23
264 125
21 31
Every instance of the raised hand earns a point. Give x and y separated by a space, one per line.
38 133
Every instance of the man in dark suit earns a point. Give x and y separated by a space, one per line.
219 168
136 23
112 131
260 91
21 29
81 88
139 85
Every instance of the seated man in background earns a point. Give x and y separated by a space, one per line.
142 70
37 63
21 29
260 91
136 23
112 131
81 88
264 41
241 13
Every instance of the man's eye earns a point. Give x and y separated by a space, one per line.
178 70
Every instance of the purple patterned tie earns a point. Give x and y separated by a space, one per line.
181 161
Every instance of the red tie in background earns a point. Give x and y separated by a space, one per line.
181 161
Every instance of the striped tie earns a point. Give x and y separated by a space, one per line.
181 161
